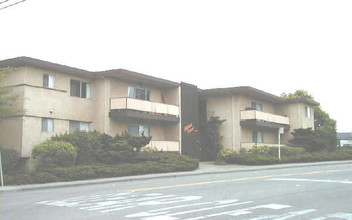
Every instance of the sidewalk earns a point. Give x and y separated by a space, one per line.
204 168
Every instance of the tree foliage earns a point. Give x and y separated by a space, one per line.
211 138
8 105
297 94
324 137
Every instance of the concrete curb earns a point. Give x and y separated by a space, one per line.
165 175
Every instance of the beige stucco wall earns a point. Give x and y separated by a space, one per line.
297 114
221 106
33 134
269 137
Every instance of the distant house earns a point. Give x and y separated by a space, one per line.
345 139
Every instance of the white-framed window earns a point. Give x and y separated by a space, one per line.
257 106
79 126
257 137
80 89
49 81
137 93
308 112
47 125
139 130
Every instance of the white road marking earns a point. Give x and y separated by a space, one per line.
268 206
346 216
284 216
311 180
295 214
165 215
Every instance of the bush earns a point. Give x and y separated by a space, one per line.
274 151
256 157
94 147
54 153
114 152
137 142
86 144
9 159
167 163
29 178
264 156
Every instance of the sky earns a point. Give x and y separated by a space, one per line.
273 45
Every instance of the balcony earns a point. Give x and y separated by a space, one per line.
255 119
122 108
165 145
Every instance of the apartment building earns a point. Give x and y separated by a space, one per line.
253 117
56 99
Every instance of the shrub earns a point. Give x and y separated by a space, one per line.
30 178
55 153
114 152
9 159
94 147
177 162
167 163
274 151
264 156
211 138
86 143
137 142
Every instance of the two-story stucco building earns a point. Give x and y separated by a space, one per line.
56 99
253 117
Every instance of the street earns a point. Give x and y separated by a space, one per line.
315 192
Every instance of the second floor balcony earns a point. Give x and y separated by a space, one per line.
143 109
254 119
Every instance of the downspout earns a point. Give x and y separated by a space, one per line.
232 122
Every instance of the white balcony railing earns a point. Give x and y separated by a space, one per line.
259 115
143 105
165 145
249 145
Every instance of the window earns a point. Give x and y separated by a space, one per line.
49 81
79 126
138 130
257 106
136 93
257 137
80 89
47 125
308 112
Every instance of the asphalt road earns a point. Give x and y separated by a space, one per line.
319 192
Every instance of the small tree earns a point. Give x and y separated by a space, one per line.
325 127
312 140
211 138
8 99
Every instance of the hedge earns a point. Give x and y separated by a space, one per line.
265 156
167 163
